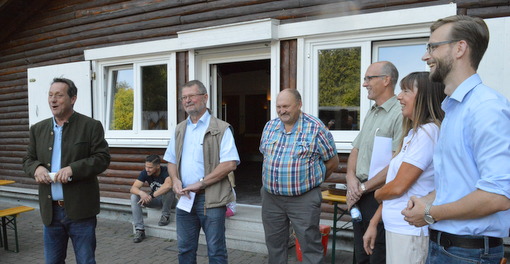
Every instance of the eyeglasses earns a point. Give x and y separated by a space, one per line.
368 78
432 46
191 97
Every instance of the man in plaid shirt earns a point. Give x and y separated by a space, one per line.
299 154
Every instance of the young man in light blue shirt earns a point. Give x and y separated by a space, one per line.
469 211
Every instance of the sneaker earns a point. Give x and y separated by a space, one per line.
165 219
139 236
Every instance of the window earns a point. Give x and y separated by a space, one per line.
138 100
337 69
121 105
404 54
333 91
339 82
154 97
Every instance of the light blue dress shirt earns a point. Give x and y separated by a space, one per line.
473 152
57 192
192 160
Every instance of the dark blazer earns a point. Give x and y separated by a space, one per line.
84 149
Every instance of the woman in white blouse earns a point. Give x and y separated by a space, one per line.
411 171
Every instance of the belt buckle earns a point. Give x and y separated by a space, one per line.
60 203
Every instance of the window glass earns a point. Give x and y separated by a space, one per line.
405 55
122 99
154 97
339 88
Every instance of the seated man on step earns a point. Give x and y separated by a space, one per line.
160 196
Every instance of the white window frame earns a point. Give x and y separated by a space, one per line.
311 95
135 137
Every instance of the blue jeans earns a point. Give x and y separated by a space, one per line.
56 236
458 255
212 221
165 202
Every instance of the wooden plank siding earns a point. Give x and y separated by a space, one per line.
58 31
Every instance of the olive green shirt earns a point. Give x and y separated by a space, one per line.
387 121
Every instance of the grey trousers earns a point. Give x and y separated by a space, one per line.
165 202
303 212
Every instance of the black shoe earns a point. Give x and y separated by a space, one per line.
165 219
139 236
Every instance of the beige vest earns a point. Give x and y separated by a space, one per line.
219 193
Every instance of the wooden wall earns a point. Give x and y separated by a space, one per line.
38 33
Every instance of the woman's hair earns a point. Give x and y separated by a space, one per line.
427 103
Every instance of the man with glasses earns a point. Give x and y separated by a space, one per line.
384 119
468 212
200 155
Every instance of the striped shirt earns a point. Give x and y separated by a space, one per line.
294 161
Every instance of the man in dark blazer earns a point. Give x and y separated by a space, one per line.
65 155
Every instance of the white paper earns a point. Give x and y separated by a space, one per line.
52 176
186 203
381 155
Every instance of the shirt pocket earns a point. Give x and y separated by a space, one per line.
303 150
268 147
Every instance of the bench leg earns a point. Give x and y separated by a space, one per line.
4 233
11 223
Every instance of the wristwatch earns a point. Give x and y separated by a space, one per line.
203 183
427 217
362 187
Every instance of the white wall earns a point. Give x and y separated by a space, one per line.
495 65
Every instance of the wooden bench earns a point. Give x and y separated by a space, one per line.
9 222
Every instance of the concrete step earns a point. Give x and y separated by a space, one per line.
244 231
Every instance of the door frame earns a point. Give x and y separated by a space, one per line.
205 60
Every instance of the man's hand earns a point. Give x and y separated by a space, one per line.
41 175
195 187
353 190
369 239
144 198
64 175
415 211
177 188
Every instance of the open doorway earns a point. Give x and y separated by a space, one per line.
243 93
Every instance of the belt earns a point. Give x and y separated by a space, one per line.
451 240
58 203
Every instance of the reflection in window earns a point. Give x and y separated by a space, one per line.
339 88
122 107
154 97
406 56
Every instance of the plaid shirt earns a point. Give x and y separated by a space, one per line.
294 161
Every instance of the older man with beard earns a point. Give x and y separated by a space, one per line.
469 210
200 156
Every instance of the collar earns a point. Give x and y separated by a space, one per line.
204 119
297 126
390 103
465 87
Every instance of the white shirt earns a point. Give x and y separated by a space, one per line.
417 150
192 159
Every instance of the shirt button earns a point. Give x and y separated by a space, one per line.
50 148
49 196
51 133
49 165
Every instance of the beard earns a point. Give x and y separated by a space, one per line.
443 68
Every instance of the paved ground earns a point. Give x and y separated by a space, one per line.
114 245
